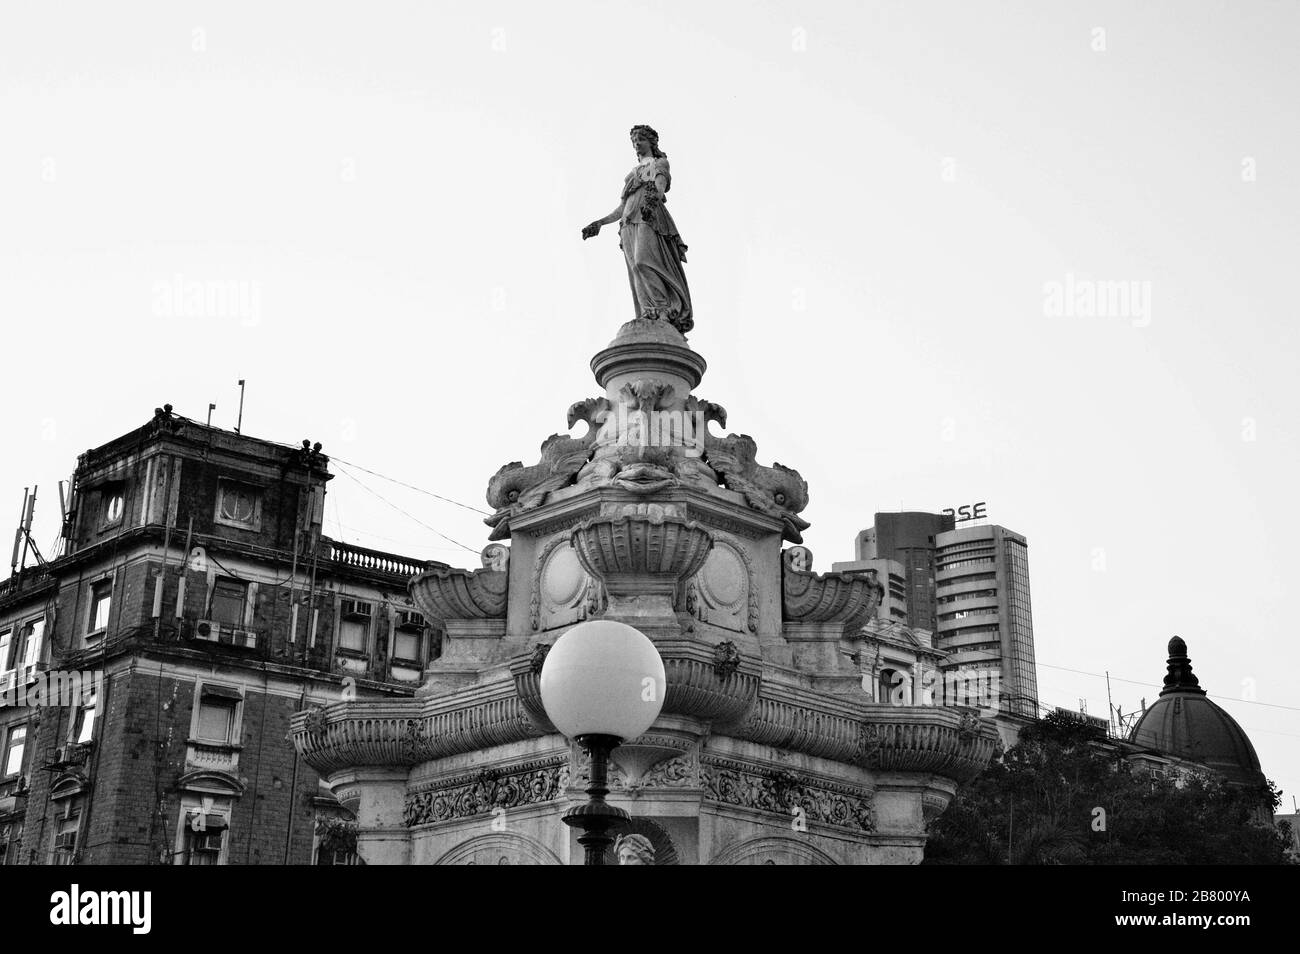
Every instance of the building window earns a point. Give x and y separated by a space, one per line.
101 603
408 637
113 502
14 746
83 723
216 723
6 663
238 505
336 841
205 835
352 635
229 597
354 625
407 646
65 840
889 680
27 652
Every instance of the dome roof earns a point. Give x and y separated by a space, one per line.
1183 723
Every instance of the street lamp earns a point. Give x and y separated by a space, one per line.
602 684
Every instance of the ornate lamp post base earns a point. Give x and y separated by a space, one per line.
597 816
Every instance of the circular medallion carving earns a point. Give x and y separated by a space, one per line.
563 579
723 577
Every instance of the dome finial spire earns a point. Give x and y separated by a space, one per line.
1180 677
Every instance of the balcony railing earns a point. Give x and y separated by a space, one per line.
30 578
374 561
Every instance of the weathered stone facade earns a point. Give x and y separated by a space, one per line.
220 621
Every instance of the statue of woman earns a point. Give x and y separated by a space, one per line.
652 248
634 850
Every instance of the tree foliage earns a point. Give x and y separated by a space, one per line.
1057 797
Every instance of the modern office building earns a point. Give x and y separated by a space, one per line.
969 584
908 538
983 611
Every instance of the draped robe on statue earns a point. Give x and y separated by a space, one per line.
653 249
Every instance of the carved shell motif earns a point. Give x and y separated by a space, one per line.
443 592
641 544
807 597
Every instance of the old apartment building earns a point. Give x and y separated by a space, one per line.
148 671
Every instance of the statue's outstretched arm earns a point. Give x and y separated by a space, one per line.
594 227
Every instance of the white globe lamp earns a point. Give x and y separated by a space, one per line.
602 684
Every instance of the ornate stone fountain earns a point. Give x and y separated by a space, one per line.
767 748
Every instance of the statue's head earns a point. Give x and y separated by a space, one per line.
634 850
646 142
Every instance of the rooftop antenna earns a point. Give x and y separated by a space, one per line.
18 534
211 408
239 423
23 536
1110 705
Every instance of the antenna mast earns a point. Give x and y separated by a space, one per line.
23 536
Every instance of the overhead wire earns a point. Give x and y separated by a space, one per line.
1151 685
402 483
404 513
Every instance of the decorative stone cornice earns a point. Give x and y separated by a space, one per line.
698 688
820 730
931 739
526 669
950 742
350 734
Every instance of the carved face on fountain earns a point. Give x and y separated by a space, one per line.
644 470
634 850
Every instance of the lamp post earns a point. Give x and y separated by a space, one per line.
602 684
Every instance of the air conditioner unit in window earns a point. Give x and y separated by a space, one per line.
74 753
242 637
207 629
66 841
356 609
410 620
207 841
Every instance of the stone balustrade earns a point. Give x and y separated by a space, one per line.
376 561
410 731
703 683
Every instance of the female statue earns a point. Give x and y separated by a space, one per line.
634 850
652 248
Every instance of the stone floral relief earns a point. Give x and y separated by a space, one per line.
678 771
479 793
781 792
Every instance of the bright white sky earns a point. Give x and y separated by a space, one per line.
402 185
